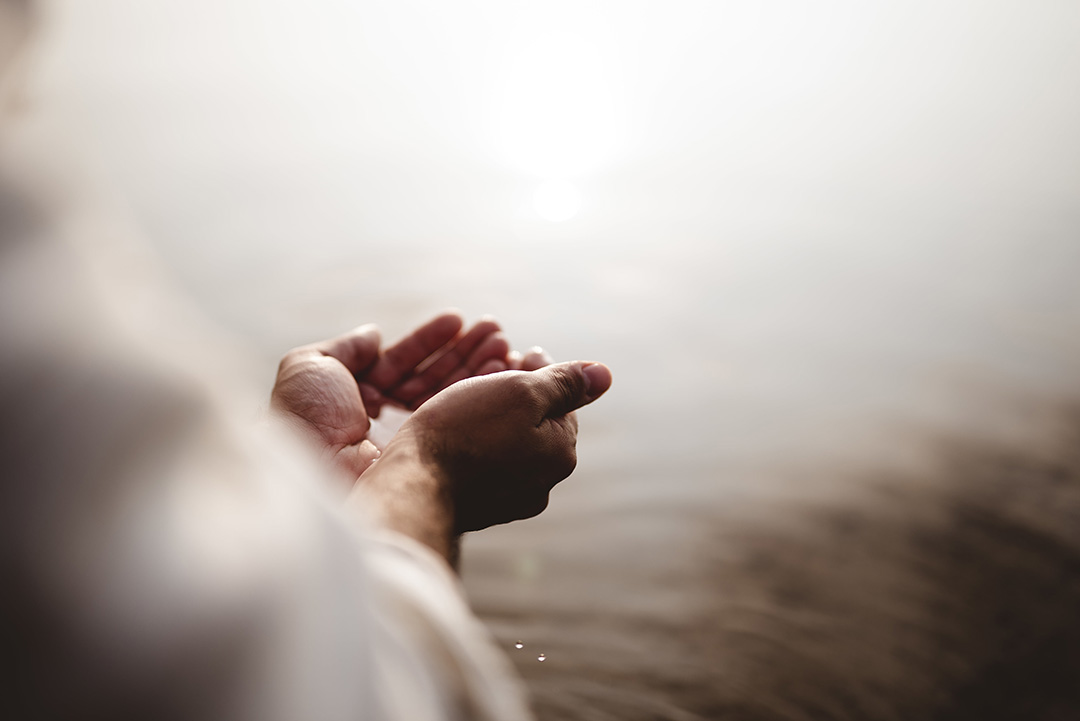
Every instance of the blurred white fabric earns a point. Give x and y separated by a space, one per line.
166 553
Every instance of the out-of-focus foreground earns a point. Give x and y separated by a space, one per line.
806 237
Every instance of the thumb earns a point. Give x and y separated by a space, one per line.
356 350
565 387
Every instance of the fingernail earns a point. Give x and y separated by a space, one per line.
597 379
536 350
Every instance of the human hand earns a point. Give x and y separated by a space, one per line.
332 389
484 451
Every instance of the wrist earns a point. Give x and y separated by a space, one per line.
407 493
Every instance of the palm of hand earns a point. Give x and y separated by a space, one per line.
333 388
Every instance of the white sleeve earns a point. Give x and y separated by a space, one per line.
179 571
422 612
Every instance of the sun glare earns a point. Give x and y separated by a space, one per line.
556 200
556 113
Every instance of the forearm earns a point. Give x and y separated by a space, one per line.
405 494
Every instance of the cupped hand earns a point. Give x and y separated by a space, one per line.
491 446
332 389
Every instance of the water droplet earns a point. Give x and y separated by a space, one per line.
541 657
519 644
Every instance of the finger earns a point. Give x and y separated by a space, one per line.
494 365
536 358
372 399
513 360
433 378
356 350
458 352
403 357
565 387
357 458
494 347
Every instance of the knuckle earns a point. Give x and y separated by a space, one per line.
562 461
294 364
571 425
569 381
568 386
568 462
533 506
519 391
291 358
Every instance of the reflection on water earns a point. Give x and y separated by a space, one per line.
806 237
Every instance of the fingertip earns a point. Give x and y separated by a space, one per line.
368 337
499 345
367 329
448 322
536 358
356 350
493 347
597 379
485 327
367 453
570 385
